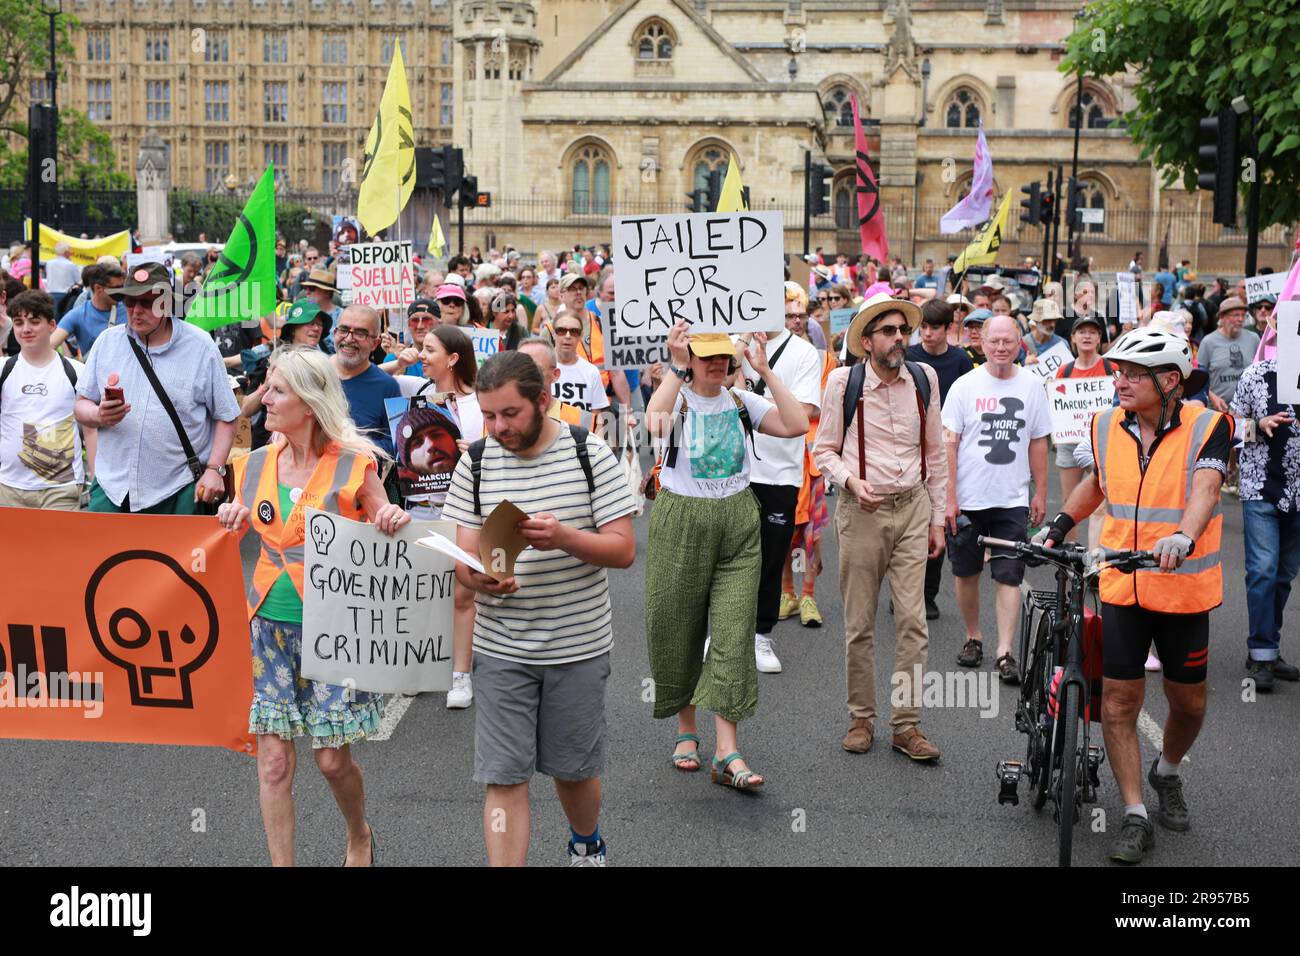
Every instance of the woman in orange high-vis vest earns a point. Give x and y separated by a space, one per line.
1159 465
316 459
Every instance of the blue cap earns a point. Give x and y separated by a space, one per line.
977 317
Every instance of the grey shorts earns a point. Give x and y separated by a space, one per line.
1065 455
548 718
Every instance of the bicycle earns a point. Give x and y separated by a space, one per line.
1055 694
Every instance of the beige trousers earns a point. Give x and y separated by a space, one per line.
60 498
893 540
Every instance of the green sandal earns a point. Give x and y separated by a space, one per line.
737 781
688 757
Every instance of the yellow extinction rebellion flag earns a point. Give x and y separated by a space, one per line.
732 197
983 249
437 241
84 252
388 173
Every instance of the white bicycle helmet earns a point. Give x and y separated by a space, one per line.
1152 348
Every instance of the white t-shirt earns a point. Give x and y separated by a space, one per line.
713 454
579 384
468 416
40 446
780 460
61 274
996 419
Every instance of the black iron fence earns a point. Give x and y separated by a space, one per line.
93 212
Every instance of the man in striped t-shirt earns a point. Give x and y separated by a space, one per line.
541 637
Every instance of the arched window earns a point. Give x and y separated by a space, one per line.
962 111
1094 197
712 158
590 182
838 107
1094 112
654 41
844 194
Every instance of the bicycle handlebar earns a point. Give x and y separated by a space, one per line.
1077 557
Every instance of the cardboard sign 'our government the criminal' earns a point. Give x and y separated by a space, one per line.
719 272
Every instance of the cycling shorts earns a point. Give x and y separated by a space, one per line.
1182 642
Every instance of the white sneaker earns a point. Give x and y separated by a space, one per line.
765 656
461 694
1153 662
579 855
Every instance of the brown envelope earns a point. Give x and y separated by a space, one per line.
500 542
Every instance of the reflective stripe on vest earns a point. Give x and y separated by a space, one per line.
1142 508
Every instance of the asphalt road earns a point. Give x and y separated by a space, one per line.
96 804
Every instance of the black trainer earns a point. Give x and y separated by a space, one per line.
931 610
1261 672
1284 671
1173 813
1135 837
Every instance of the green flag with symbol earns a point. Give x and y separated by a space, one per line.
241 286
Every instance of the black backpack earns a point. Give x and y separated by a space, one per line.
584 459
10 362
853 391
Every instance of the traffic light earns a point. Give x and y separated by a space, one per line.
1032 205
1218 164
715 189
1074 201
439 168
1049 208
468 190
699 200
819 189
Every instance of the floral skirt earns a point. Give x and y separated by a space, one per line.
289 706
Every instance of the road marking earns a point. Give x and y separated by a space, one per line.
1151 730
394 708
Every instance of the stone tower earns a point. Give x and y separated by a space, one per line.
496 49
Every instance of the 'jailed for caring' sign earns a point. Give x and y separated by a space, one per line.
377 611
719 272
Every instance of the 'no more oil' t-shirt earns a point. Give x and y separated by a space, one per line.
996 419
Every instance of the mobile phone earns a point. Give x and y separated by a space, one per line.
112 394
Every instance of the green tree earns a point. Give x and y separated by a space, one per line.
1192 58
85 151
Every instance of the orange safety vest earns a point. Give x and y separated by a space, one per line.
596 354
572 414
333 487
1143 507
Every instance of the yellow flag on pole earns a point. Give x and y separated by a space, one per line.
84 252
388 173
732 196
437 241
983 249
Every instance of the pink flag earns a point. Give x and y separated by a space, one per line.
871 217
1291 290
977 205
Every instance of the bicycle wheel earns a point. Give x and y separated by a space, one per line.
1035 689
1067 715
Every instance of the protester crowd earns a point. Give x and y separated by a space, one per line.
110 401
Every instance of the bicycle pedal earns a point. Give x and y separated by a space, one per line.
1096 757
1009 773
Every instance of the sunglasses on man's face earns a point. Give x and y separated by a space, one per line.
890 330
139 301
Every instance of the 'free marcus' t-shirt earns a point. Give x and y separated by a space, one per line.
561 612
996 418
40 446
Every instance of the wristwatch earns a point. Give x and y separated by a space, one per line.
219 469
682 373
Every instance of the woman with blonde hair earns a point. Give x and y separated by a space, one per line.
316 459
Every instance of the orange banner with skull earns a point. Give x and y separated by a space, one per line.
122 628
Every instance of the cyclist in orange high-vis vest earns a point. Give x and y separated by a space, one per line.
316 459
1159 465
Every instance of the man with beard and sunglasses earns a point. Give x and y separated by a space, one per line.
889 459
542 636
